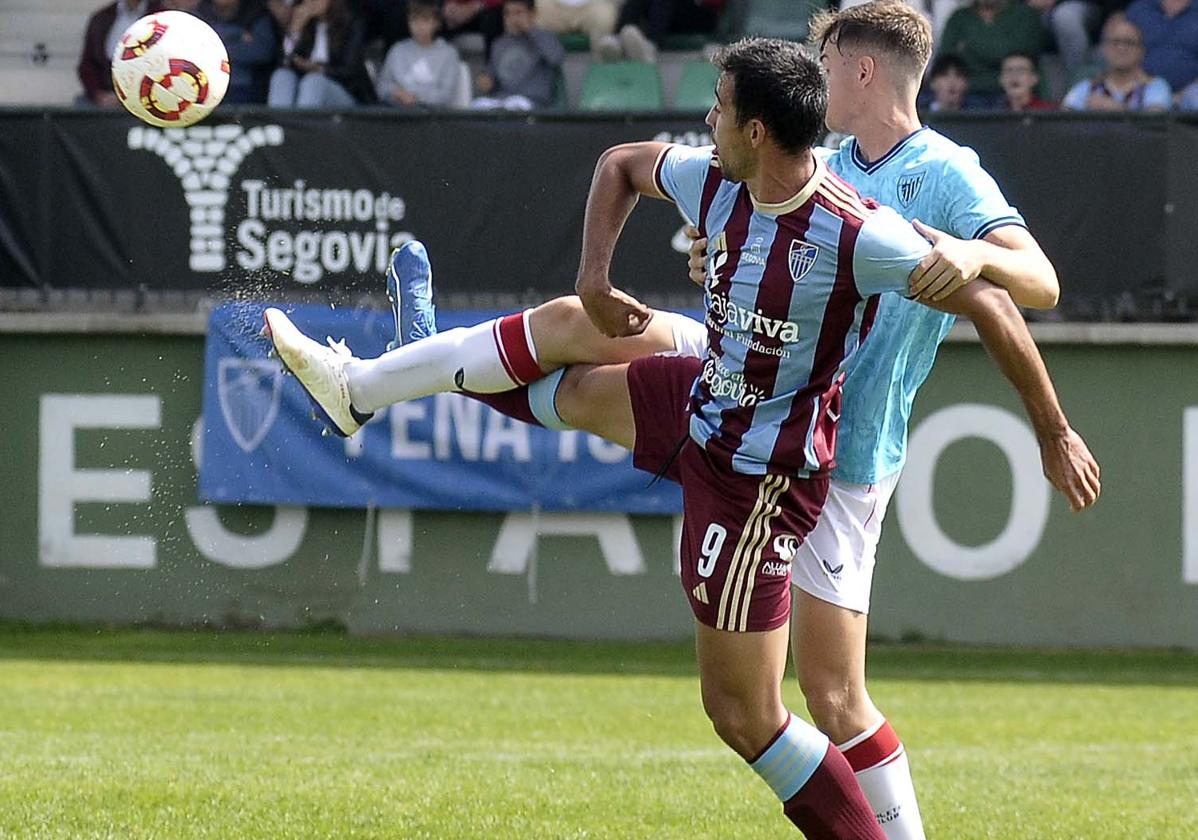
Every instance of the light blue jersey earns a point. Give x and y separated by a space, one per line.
930 178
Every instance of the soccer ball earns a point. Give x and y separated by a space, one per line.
170 69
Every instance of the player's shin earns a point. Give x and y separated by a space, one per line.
816 785
880 763
494 356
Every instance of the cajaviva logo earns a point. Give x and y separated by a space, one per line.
305 232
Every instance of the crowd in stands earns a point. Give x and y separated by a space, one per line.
1110 55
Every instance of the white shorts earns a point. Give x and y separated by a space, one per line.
836 561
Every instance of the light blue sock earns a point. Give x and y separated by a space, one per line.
541 396
792 758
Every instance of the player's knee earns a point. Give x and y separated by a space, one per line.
839 709
553 325
742 726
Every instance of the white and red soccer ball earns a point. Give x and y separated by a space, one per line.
170 69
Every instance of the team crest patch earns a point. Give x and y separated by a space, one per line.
908 187
802 258
250 391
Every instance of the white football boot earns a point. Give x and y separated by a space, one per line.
319 369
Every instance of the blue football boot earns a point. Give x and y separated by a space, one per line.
410 290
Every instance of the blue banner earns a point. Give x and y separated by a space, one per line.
445 452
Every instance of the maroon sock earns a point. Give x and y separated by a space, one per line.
831 806
513 403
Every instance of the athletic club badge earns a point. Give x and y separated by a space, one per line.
908 188
802 258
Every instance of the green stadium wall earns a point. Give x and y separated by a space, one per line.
99 520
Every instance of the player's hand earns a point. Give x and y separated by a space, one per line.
615 313
1069 467
696 263
951 264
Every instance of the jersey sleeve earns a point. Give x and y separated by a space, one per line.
679 174
888 249
974 205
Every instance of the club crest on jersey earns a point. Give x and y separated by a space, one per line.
250 391
908 188
802 258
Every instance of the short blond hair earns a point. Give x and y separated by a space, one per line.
889 26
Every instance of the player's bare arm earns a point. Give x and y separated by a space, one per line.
1067 461
1009 257
622 174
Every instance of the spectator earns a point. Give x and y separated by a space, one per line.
248 32
104 29
482 16
1124 85
423 70
949 82
523 69
323 59
384 21
644 24
982 34
1071 22
1170 32
1187 100
595 18
1020 78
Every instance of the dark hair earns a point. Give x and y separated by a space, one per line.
776 82
424 8
946 63
1021 54
530 4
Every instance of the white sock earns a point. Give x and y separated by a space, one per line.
880 763
493 356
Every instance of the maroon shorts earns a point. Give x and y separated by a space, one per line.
739 532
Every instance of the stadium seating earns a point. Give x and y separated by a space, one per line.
695 88
39 48
621 86
780 18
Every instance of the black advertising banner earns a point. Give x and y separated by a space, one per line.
276 203
261 203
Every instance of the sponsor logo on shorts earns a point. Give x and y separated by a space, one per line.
776 568
833 571
786 546
700 592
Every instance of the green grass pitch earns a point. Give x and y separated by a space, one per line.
132 734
